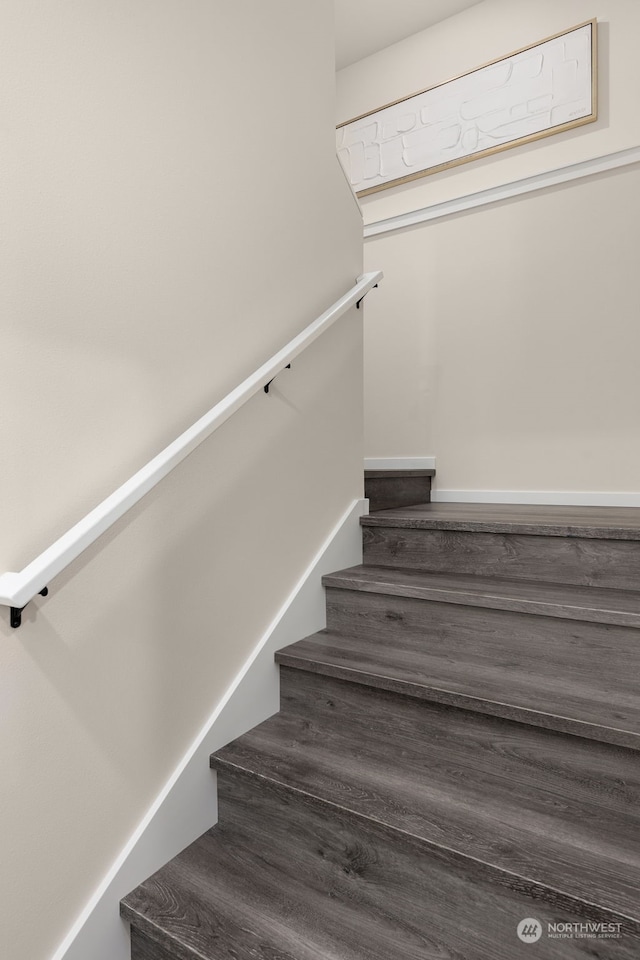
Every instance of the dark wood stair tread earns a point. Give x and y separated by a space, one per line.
553 809
617 523
557 690
281 879
574 602
454 753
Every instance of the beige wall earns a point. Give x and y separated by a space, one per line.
503 339
155 249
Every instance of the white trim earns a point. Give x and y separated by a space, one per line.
350 186
567 498
400 463
549 178
16 589
186 805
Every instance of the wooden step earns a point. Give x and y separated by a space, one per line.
511 646
580 545
567 601
466 658
543 806
285 877
608 523
386 489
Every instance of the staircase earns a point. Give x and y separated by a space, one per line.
458 752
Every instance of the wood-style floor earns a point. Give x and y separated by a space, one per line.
457 751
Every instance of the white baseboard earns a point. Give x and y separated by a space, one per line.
400 463
187 804
567 498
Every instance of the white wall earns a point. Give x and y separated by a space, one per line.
503 339
155 249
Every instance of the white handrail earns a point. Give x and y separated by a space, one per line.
16 589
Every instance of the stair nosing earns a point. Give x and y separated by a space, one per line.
516 527
150 928
463 701
220 764
465 596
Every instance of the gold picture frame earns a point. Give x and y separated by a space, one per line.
537 91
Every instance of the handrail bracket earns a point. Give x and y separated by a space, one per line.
267 385
358 302
16 612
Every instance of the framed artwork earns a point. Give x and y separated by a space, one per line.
535 92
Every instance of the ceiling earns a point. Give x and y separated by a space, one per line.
365 26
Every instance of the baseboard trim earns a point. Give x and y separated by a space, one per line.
515 188
566 498
400 463
187 804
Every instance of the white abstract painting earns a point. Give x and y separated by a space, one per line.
544 89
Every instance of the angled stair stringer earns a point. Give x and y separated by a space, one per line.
456 752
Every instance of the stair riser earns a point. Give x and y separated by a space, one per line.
456 636
143 948
389 492
578 560
358 863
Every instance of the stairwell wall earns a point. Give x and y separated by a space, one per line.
504 339
161 163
